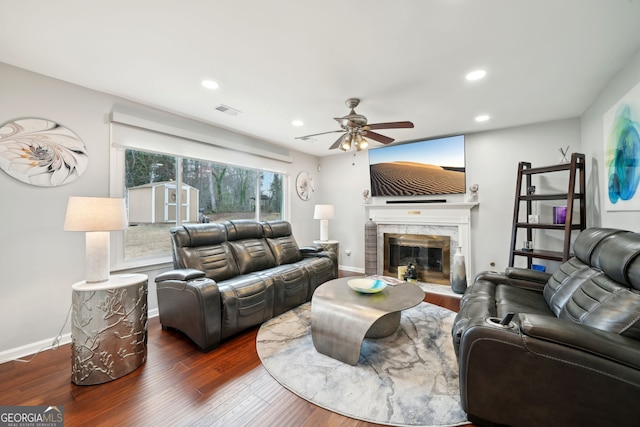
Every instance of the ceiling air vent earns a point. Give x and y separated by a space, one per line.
228 110
307 138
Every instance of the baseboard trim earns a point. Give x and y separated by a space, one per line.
352 269
26 352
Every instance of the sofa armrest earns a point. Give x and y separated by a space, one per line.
518 277
527 274
323 254
320 252
544 371
604 344
192 306
181 274
311 249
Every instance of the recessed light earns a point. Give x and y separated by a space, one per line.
482 118
210 84
476 75
297 123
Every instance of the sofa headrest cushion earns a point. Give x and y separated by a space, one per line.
274 229
190 235
243 229
588 241
619 258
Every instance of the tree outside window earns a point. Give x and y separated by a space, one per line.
209 192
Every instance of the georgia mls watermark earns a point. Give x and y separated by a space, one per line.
31 416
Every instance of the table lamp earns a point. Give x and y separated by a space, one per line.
324 213
97 216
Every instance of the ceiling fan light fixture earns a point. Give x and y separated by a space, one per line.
355 126
346 144
361 143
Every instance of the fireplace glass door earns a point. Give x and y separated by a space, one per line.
430 255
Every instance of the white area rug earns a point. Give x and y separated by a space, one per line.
407 379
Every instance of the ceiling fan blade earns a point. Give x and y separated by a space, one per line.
316 134
377 137
338 142
390 125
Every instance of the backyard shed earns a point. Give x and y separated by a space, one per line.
156 202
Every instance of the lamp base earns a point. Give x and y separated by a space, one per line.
324 229
97 256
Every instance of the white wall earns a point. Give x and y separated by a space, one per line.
492 159
491 162
305 228
343 178
593 145
38 260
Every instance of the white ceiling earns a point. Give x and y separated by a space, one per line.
280 60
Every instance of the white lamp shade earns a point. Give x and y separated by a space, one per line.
95 214
324 212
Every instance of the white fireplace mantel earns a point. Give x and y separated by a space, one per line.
417 212
436 216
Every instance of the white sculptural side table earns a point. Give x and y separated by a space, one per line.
109 328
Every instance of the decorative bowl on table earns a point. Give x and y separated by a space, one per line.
366 286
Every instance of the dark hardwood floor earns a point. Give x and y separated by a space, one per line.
178 386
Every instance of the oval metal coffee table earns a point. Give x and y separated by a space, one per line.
342 318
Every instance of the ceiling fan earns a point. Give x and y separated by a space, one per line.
355 128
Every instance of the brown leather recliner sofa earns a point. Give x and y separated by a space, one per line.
570 356
233 275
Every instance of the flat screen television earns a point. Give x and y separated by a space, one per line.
420 168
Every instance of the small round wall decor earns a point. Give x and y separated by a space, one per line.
304 185
41 152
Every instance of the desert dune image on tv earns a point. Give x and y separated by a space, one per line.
430 167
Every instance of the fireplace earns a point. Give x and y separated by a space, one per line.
451 220
430 254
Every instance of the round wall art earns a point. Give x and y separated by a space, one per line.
41 152
304 185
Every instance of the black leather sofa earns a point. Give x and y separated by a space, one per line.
233 275
571 354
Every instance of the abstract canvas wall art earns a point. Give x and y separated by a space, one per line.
41 152
622 153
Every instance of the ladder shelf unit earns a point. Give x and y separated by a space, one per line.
525 198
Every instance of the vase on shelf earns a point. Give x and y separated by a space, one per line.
459 277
